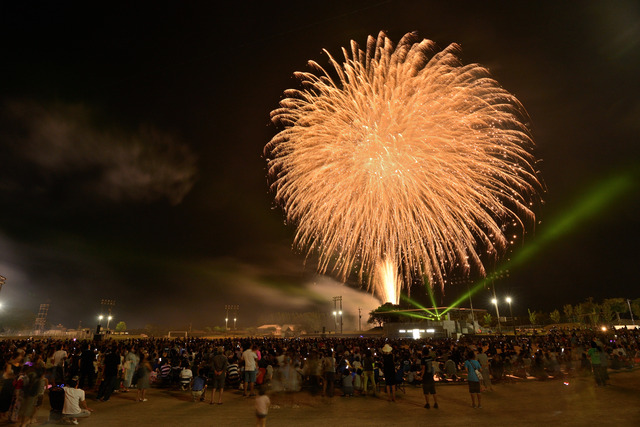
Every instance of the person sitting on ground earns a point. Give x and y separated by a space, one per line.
75 405
186 374
233 373
165 372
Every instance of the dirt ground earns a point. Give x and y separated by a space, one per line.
530 402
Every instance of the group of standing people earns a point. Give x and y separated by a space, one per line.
355 365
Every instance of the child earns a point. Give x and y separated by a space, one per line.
262 407
347 383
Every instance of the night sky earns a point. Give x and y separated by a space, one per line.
131 139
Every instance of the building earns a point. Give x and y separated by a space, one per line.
422 323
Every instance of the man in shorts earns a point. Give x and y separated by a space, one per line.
220 363
250 357
426 373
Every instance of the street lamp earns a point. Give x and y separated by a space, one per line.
234 323
335 321
340 313
226 323
109 321
495 301
513 321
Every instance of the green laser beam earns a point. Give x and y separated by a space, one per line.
433 300
416 304
415 315
596 200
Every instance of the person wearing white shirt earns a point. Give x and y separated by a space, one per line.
75 405
250 358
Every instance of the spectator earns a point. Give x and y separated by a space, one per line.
250 358
220 363
110 374
389 370
59 358
426 373
262 407
368 375
87 369
328 364
75 405
186 375
131 361
483 359
143 378
473 368
198 387
347 383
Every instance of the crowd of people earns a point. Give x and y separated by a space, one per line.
321 366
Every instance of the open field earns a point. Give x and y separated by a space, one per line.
520 403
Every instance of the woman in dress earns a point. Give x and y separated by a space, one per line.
144 374
18 395
131 361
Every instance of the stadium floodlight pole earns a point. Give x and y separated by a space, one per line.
337 309
234 308
513 321
495 302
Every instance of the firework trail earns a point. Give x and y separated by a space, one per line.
401 158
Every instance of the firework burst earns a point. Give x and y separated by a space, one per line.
401 158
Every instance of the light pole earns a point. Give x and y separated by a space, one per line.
234 308
337 310
513 321
495 301
335 322
109 321
100 317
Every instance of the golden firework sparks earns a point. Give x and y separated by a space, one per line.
404 158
